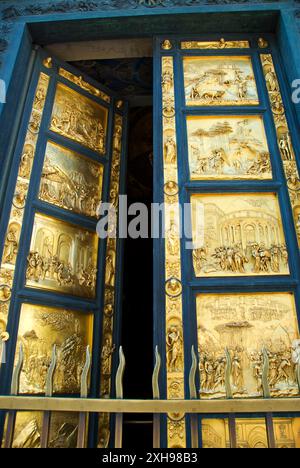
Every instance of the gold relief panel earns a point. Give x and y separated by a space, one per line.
215 434
71 181
238 235
28 430
79 81
287 432
62 258
228 147
244 325
221 44
251 433
219 81
79 118
39 329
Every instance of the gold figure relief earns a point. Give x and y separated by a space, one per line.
284 140
28 430
215 434
219 81
79 81
79 118
62 258
228 147
287 432
71 181
221 44
108 348
12 238
238 235
39 329
173 286
244 325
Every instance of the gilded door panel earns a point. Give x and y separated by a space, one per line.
28 430
71 181
219 81
287 432
39 329
244 325
251 433
228 147
79 118
238 235
63 257
215 433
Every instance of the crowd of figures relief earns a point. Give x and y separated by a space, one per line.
242 235
245 325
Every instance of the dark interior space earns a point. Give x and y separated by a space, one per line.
132 79
137 298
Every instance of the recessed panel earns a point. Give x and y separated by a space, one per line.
241 326
79 118
219 81
62 257
71 181
228 147
238 235
41 328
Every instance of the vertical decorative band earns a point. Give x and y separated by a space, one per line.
283 138
109 294
173 284
13 233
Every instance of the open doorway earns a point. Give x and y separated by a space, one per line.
132 79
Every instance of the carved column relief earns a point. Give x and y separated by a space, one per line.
283 138
11 243
110 287
174 326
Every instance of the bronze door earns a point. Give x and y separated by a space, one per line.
60 283
226 290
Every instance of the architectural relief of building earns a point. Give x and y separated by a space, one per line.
242 236
62 258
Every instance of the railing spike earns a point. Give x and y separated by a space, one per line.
155 376
15 382
265 374
50 373
120 373
228 370
192 375
85 373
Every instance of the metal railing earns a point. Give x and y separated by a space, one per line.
157 407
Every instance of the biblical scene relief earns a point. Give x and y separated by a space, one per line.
238 235
28 430
71 181
39 329
245 324
79 118
228 148
219 81
62 258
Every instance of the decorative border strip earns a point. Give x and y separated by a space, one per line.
13 233
221 44
108 347
173 286
79 81
284 139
